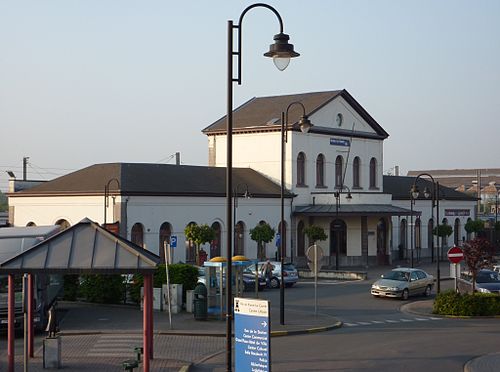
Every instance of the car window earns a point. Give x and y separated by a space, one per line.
397 275
487 277
289 267
421 275
414 275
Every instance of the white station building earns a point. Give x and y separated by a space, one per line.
333 178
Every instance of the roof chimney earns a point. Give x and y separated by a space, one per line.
177 158
396 170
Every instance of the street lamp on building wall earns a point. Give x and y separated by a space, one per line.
281 52
106 194
304 124
414 191
338 195
246 195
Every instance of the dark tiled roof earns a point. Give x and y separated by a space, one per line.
155 179
353 209
400 186
457 177
264 113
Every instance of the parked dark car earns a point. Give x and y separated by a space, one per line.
249 281
487 281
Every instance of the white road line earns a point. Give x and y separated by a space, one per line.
377 322
391 321
433 318
365 323
406 320
351 324
422 319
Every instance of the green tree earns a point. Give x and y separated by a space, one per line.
478 254
474 226
262 233
315 233
199 234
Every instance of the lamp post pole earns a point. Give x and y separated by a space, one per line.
281 52
411 228
235 205
338 195
106 194
304 125
435 202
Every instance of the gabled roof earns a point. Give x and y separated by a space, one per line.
264 113
352 210
153 180
83 248
400 186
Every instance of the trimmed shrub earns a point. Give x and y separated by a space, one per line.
478 304
180 273
104 289
71 287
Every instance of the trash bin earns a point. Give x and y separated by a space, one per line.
200 302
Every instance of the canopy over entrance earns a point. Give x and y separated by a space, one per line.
83 249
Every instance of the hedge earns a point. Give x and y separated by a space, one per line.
477 304
105 289
180 273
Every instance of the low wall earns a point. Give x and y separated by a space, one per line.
335 274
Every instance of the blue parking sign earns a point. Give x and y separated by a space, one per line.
173 241
252 335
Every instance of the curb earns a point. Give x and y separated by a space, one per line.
306 331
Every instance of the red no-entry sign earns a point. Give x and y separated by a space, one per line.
455 254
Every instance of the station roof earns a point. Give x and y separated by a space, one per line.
85 248
352 210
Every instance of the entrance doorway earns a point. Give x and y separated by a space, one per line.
338 241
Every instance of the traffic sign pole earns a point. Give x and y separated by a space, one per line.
455 255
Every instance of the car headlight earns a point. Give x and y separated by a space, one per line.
393 289
374 286
483 290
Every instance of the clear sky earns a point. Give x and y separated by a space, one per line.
88 81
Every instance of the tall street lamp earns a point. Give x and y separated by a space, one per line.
338 195
435 203
412 202
246 195
106 194
281 52
304 124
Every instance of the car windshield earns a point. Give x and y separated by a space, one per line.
488 277
289 266
397 275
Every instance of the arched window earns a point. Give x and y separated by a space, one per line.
282 247
339 165
320 170
31 224
190 249
418 237
430 236
373 173
301 169
165 233
356 165
63 224
137 234
456 231
301 239
382 258
444 239
215 244
239 238
468 234
403 240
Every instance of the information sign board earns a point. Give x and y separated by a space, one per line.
251 335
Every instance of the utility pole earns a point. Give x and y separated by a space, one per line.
25 166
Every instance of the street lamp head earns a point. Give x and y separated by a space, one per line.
427 193
305 124
349 196
414 192
281 51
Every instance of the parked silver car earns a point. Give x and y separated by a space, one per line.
402 283
290 273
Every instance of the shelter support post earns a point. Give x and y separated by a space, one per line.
10 323
31 329
151 344
148 284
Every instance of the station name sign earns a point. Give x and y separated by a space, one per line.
251 335
457 212
340 142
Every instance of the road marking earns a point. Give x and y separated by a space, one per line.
115 346
365 323
422 319
391 321
406 320
377 322
351 324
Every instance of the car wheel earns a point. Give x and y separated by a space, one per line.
405 294
275 283
427 291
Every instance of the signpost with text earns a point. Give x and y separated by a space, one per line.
251 335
